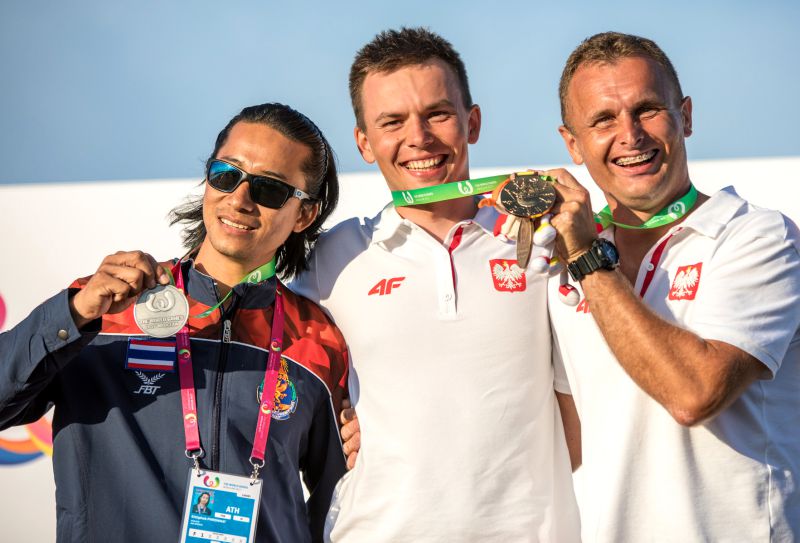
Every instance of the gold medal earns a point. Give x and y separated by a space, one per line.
528 196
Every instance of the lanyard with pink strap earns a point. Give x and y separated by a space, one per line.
194 450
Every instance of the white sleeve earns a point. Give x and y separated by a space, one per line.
560 382
306 284
749 294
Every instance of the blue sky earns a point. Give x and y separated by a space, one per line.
136 90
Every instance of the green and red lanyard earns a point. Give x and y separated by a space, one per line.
473 187
186 376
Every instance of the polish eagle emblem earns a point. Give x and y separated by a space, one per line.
687 279
507 275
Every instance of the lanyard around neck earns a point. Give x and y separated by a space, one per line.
261 273
189 397
673 212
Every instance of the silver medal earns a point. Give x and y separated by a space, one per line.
161 311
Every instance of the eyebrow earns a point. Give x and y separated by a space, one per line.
265 173
600 115
639 106
440 104
445 103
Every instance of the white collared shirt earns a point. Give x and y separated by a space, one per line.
729 272
453 384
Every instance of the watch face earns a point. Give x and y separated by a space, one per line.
609 252
528 195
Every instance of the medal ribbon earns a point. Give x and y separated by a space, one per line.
186 378
447 191
261 273
673 212
451 191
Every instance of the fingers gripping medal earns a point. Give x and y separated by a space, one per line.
161 311
527 196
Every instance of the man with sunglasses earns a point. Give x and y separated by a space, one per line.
451 368
251 385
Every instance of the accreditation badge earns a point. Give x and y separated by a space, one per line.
220 507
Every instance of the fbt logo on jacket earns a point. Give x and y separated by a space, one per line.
385 286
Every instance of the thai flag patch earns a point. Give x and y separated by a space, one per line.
148 354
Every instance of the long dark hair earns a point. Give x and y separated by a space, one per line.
321 179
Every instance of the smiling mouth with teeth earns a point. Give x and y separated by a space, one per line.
635 160
234 225
427 164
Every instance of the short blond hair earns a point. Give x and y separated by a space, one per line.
609 47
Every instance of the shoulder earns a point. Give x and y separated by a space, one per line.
756 222
332 253
353 233
314 341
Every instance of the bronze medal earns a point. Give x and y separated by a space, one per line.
528 196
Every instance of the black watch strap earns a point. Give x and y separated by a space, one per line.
602 255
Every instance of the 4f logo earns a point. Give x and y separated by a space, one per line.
465 187
385 286
148 388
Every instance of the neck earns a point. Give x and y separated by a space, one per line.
633 245
226 271
439 218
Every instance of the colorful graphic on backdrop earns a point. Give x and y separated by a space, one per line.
2 312
29 442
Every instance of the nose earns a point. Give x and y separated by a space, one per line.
418 132
631 132
240 197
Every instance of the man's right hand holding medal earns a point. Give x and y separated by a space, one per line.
115 285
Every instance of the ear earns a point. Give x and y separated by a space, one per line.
474 124
307 214
572 144
686 114
363 145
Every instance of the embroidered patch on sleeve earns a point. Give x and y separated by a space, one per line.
687 279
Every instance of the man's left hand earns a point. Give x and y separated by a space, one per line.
351 433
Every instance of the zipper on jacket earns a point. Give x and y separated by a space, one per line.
226 331
227 318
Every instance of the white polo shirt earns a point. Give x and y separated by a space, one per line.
730 272
453 383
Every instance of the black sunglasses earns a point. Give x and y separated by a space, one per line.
265 191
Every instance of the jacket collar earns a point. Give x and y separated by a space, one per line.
202 288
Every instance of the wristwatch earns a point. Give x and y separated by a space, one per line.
602 255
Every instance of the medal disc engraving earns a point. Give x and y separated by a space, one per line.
161 311
528 195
